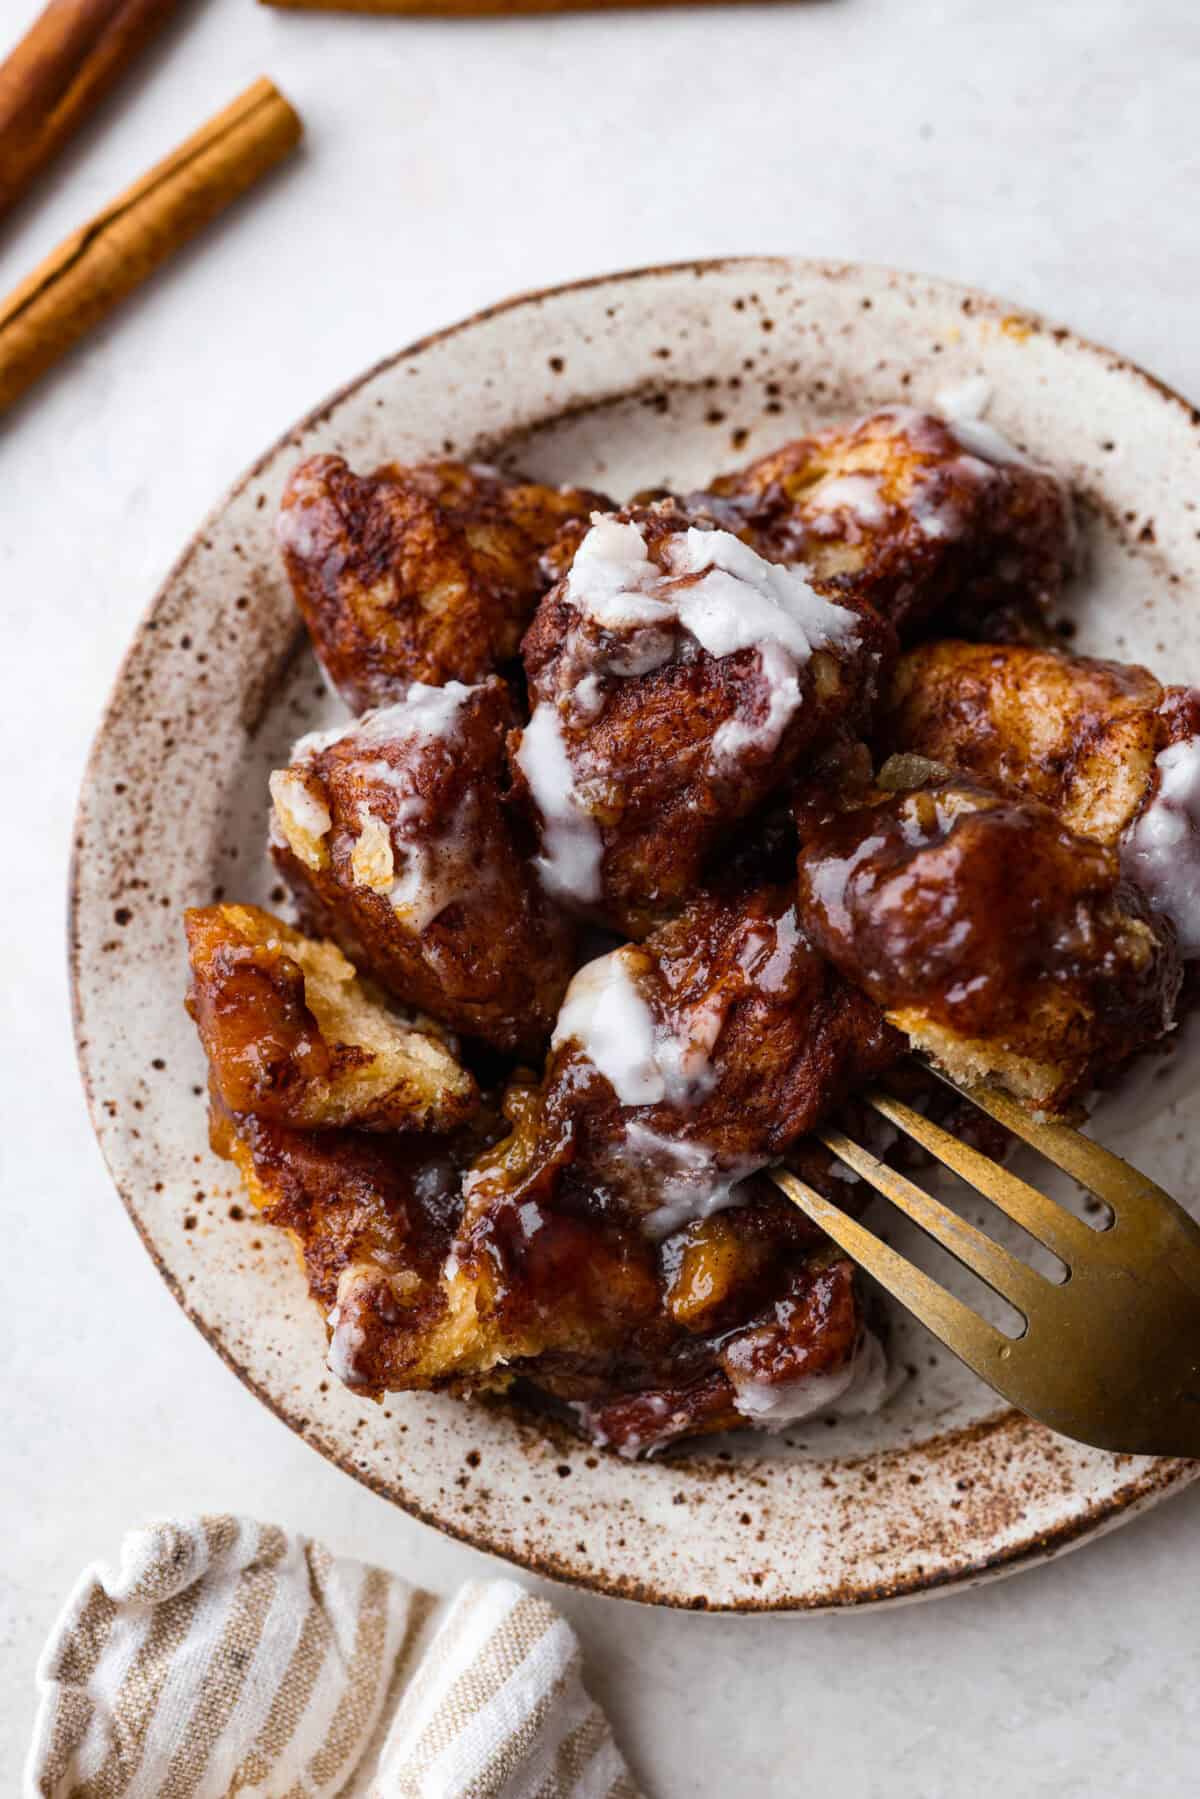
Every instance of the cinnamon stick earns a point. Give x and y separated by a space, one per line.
94 269
463 9
70 57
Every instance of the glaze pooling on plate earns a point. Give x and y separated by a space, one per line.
936 1489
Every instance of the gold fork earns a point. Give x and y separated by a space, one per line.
1109 1355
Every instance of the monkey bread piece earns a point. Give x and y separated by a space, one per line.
372 1219
677 681
293 1036
920 516
737 1317
805 1350
427 573
1003 944
682 1065
793 1344
396 838
1111 750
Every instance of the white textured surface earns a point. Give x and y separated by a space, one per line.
1051 160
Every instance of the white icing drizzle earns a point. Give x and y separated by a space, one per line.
983 450
667 1424
348 1338
569 863
605 1014
438 870
422 865
859 1389
861 1386
963 408
296 524
858 495
956 412
741 601
1160 851
967 399
983 440
717 592
649 1061
763 735
714 586
612 579
425 713
692 1184
646 1062
313 742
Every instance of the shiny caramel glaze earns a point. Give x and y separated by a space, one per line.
548 1272
1079 734
920 525
1002 943
425 573
767 1039
428 813
294 1037
803 1334
643 762
644 1343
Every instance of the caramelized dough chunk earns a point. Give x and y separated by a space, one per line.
682 1065
717 1328
997 940
396 838
917 515
795 1345
292 1035
428 573
372 1220
677 680
1078 734
1114 753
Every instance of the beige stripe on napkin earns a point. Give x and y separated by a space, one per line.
222 1657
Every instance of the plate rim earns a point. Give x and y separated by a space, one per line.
1163 1477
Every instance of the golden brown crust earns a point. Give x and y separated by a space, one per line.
901 512
427 573
293 1036
997 940
1078 734
397 840
648 750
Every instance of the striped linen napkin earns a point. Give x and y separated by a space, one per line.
222 1657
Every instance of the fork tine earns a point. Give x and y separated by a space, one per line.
1042 1217
976 1342
1124 1188
1013 1279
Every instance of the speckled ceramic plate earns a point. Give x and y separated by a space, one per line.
663 376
